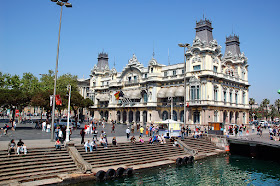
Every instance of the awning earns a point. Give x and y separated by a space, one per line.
161 93
179 92
103 97
127 93
136 94
171 92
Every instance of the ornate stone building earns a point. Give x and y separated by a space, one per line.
216 89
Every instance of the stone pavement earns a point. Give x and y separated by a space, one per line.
254 137
37 143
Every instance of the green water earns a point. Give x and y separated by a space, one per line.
221 170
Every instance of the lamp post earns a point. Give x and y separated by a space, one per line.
68 5
68 114
184 45
171 114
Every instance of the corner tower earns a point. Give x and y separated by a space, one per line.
232 45
204 30
102 63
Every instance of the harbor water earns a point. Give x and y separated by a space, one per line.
220 170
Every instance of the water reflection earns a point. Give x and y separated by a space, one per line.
222 170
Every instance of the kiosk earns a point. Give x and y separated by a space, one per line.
169 128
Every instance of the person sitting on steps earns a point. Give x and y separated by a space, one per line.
133 140
114 141
57 144
103 143
21 147
87 145
12 147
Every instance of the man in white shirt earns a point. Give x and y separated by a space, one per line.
103 143
127 133
87 145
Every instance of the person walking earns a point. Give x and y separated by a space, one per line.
147 131
82 133
253 128
183 132
127 131
141 131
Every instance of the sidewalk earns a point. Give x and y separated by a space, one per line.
47 142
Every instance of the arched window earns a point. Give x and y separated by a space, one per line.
124 116
130 116
230 117
164 115
118 116
138 116
224 116
174 115
182 116
145 117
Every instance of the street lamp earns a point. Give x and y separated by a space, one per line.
68 114
184 45
60 3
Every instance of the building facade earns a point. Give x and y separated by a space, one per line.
216 85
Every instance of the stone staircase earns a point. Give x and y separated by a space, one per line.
201 145
131 155
37 164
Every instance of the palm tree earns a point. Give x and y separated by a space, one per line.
251 102
265 103
277 104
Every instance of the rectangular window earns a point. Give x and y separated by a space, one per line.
135 79
215 95
197 92
183 71
174 72
243 97
192 92
145 97
230 97
225 96
236 98
165 74
146 75
197 67
216 116
215 69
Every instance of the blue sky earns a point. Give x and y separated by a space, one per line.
29 33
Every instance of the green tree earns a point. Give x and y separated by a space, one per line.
277 104
29 83
265 104
251 103
273 112
47 81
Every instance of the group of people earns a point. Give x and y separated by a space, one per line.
274 133
18 148
238 130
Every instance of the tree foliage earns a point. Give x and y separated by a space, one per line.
16 92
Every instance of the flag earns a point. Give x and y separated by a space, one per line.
58 100
117 95
121 94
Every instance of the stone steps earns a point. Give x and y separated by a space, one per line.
200 145
128 154
37 164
